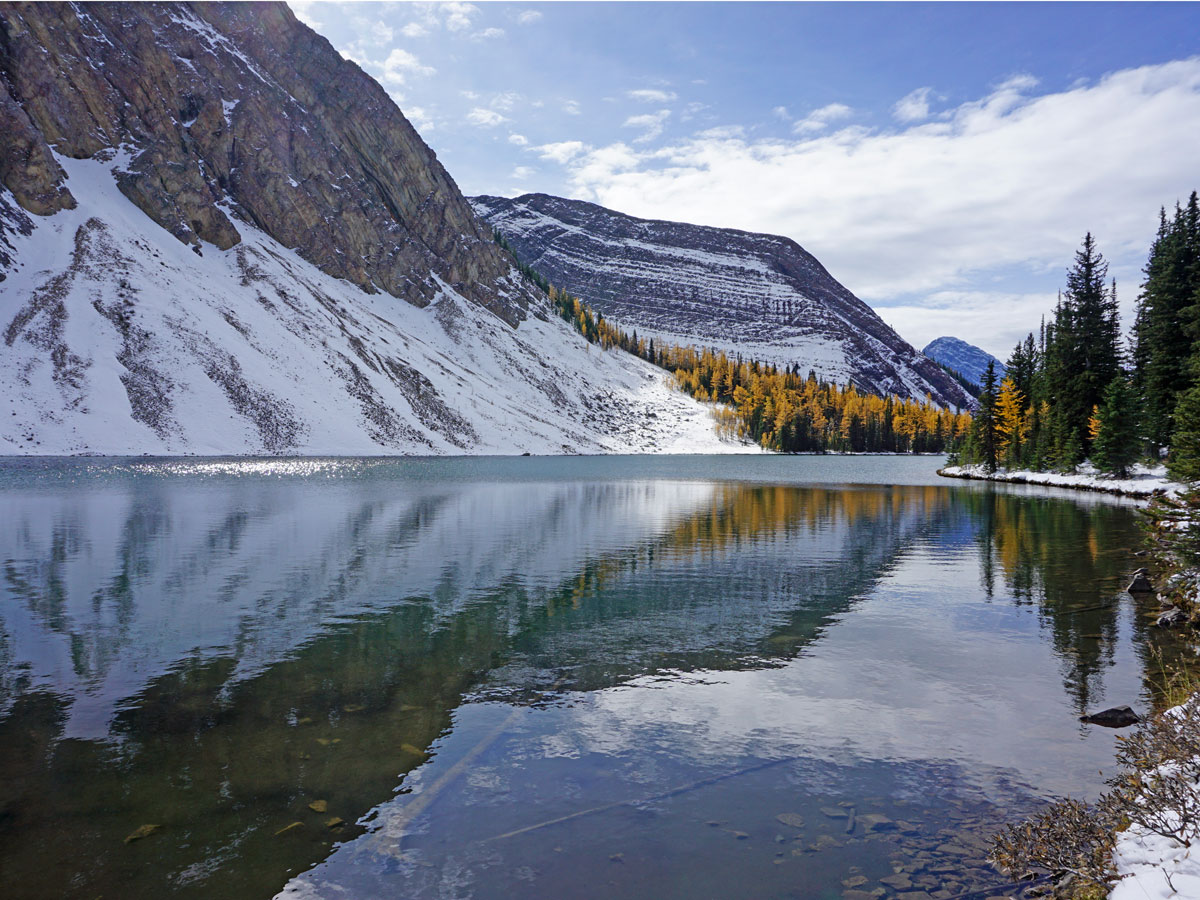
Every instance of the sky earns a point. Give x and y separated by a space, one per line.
943 161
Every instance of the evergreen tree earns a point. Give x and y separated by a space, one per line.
1117 440
1184 460
1164 335
985 420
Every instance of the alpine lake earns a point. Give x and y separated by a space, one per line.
548 677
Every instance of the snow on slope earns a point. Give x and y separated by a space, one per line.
119 339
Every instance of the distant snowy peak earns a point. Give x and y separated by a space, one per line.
965 359
759 295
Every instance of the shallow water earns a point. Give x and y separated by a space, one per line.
566 677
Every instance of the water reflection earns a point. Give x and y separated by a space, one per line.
223 654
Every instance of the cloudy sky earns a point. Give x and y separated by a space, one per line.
942 160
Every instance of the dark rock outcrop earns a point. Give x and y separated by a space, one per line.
760 295
216 114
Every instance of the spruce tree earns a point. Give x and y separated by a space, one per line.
984 425
1184 460
1118 440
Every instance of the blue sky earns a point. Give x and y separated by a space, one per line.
942 160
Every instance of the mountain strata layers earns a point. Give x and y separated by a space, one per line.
759 295
218 236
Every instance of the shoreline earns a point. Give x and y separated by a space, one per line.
1145 483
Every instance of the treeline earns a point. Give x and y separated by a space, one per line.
781 410
1077 391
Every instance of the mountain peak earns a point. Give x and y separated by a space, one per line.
966 359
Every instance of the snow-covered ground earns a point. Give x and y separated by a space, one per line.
1144 481
119 339
1154 867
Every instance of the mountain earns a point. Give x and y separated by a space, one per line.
219 236
759 295
966 359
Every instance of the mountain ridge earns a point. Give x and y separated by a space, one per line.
761 295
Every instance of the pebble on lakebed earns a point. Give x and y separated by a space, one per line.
140 832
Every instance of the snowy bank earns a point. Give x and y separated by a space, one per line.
1154 867
1144 481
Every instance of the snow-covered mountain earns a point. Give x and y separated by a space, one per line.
759 295
965 359
218 236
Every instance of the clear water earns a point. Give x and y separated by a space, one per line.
568 677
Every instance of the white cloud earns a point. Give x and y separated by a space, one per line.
382 33
485 118
488 34
522 172
571 107
722 131
400 64
561 152
650 123
504 101
993 194
414 30
420 119
458 15
820 119
529 16
781 112
303 10
518 139
913 107
651 95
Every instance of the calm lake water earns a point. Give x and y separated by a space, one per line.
573 677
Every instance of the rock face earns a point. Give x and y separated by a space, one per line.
965 359
220 113
759 295
206 219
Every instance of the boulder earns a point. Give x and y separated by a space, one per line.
1172 618
1140 583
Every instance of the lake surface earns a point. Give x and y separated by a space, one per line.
764 676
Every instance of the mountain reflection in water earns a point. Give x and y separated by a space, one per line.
223 650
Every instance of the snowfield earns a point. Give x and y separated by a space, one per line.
119 339
1144 481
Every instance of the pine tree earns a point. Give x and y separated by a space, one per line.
1117 442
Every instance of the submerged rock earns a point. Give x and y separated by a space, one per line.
1116 717
1140 583
793 819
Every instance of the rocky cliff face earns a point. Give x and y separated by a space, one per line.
223 113
760 295
206 219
